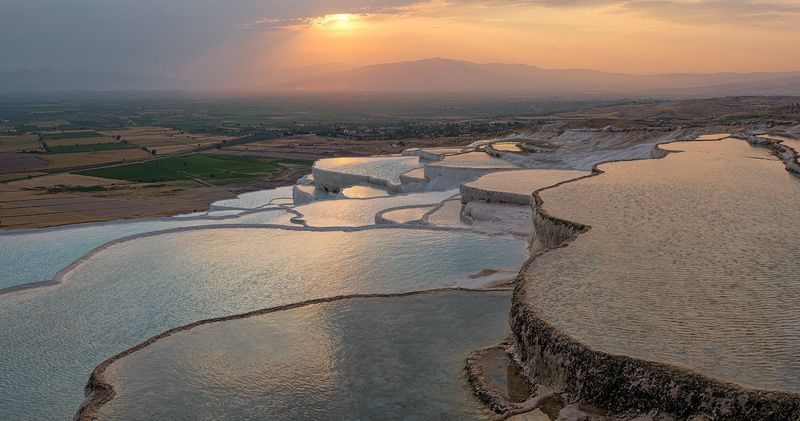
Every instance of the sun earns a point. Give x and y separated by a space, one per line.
338 21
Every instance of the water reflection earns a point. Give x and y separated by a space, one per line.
506 146
139 288
361 212
363 192
373 358
37 255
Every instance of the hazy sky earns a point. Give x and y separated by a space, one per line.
237 42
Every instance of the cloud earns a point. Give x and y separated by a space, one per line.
747 12
361 10
164 38
716 11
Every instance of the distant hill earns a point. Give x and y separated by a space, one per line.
47 80
446 75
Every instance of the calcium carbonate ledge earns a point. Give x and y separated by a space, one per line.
334 181
787 154
303 194
547 355
446 176
380 218
470 193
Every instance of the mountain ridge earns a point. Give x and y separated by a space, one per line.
448 75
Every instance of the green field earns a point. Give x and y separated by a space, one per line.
92 147
70 135
212 169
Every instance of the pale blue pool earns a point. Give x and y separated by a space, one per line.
53 337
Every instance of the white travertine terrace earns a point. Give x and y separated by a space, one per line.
474 160
718 136
582 149
514 187
334 174
403 215
786 140
303 193
433 154
668 284
457 169
362 191
414 180
447 215
495 195
499 218
362 212
254 200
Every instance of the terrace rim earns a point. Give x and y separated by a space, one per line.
548 355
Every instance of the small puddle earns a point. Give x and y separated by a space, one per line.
504 376
506 146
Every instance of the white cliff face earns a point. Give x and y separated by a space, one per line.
499 218
302 194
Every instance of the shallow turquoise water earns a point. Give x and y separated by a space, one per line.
37 255
372 358
53 337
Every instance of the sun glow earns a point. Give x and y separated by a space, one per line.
338 21
597 36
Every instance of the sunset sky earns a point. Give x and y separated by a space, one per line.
242 42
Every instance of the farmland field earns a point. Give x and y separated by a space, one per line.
18 143
86 159
91 147
20 162
79 141
210 169
70 135
165 140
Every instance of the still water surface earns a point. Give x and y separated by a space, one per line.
53 337
373 358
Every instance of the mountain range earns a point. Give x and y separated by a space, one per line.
447 76
436 75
